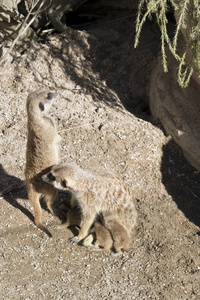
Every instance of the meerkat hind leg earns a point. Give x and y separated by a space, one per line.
34 198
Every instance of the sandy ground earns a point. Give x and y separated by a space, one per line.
103 118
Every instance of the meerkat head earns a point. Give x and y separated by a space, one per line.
61 177
55 180
41 100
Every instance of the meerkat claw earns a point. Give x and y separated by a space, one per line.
74 240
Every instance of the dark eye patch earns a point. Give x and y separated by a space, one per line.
50 96
63 183
41 106
51 177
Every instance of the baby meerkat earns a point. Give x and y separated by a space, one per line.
121 239
94 195
42 151
113 236
98 234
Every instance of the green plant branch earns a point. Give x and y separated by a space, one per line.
189 19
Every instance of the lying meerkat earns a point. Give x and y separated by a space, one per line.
94 195
98 232
42 151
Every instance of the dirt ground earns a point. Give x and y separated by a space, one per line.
106 127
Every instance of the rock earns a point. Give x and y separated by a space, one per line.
177 108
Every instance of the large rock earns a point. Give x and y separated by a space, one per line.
178 109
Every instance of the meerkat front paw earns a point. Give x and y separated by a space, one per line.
74 240
117 253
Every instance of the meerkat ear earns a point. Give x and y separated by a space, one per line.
52 95
64 183
51 177
41 106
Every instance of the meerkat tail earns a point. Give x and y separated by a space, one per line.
43 228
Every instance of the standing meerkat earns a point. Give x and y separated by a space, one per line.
94 195
42 151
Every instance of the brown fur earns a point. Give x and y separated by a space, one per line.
98 231
110 235
42 151
119 234
94 195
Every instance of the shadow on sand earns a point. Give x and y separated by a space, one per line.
181 181
13 188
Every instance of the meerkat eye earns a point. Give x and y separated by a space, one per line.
41 106
64 183
51 177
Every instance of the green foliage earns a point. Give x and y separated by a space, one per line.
188 12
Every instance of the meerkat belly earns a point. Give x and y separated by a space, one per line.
40 156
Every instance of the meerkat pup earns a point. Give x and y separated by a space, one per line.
42 151
112 237
98 234
94 195
121 239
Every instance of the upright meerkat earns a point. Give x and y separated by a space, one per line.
42 151
94 195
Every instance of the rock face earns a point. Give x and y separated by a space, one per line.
177 109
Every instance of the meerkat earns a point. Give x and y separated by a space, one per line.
112 237
99 236
41 153
94 195
120 236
